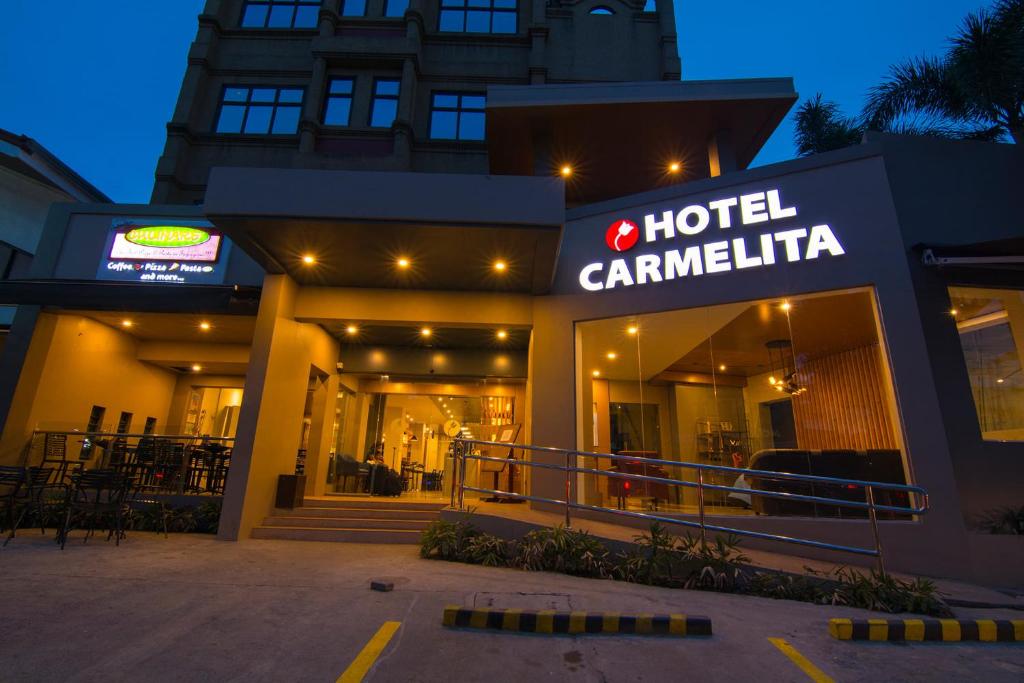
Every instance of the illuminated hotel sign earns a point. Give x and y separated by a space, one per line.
721 249
164 252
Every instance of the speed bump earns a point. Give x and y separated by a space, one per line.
919 630
576 623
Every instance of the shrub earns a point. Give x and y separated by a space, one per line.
487 550
1006 520
562 550
444 540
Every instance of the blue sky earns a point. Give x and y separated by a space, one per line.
95 81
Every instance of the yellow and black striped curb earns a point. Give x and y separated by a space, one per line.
945 630
550 621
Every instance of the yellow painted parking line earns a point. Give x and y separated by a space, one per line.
813 672
368 655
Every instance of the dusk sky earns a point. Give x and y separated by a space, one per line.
95 81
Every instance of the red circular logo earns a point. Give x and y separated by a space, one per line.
622 235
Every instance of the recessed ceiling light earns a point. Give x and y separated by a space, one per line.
426 332
596 373
675 167
1000 380
612 355
126 323
502 334
205 326
721 368
352 329
953 311
786 306
566 170
197 367
500 266
403 263
632 329
308 259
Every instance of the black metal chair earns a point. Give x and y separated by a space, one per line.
12 479
96 496
42 495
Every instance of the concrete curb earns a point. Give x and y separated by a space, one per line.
941 630
552 622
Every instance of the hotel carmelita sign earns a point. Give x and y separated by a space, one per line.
710 256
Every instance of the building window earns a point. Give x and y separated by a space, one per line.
260 111
395 8
798 385
457 116
991 327
384 106
280 13
603 11
478 16
650 6
353 8
338 110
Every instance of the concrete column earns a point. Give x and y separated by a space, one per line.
310 122
722 154
21 367
321 431
284 353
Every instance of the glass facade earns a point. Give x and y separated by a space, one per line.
260 111
990 323
798 385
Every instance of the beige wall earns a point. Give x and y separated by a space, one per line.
73 364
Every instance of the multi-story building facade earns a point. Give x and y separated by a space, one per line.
389 85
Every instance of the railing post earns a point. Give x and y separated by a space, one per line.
462 478
700 506
568 487
873 516
455 471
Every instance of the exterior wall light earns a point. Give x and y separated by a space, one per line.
566 170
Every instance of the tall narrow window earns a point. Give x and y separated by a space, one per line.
260 111
338 110
280 13
395 8
384 107
478 16
457 116
650 6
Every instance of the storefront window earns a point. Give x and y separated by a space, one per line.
991 327
798 385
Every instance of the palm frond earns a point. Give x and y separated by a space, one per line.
923 85
821 127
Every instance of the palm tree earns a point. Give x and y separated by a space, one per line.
820 127
974 91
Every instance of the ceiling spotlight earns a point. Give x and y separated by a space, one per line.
351 329
612 355
596 373
786 306
953 311
500 266
197 367
205 326
308 259
502 334
426 332
675 167
403 263
126 323
632 329
566 170
1000 380
721 368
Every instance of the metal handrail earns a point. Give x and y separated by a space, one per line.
463 447
117 435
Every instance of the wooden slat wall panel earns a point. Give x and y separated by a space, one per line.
844 405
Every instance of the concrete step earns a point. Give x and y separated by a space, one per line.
396 503
346 523
300 533
358 512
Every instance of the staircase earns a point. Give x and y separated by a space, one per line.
373 520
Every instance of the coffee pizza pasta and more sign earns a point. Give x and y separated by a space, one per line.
164 252
721 249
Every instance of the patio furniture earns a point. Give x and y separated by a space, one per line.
41 494
11 481
96 496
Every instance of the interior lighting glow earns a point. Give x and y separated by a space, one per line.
596 373
612 355
632 329
197 367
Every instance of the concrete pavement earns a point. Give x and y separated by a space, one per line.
190 608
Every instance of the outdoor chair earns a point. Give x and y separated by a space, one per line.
40 495
12 479
96 496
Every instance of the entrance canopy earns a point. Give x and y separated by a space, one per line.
393 230
622 138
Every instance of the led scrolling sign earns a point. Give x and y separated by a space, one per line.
718 256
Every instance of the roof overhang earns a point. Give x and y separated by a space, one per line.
126 296
620 137
452 227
